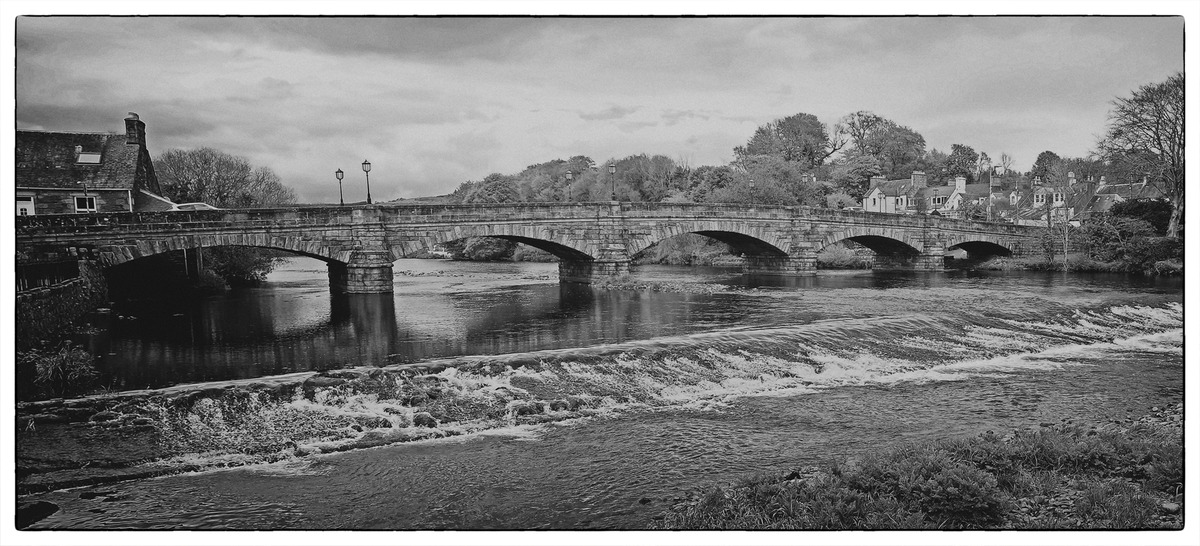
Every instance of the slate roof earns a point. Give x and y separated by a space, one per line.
47 159
895 188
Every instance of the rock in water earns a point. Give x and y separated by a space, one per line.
423 419
32 512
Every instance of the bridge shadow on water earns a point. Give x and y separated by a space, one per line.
270 331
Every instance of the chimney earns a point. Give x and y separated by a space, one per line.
78 150
875 181
1102 181
960 184
135 130
1070 178
919 180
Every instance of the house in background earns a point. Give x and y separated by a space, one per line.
913 195
1064 202
73 172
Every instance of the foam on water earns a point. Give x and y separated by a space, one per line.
711 370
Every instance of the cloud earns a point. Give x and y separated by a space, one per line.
631 126
610 113
436 101
672 117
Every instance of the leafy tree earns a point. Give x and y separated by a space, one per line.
495 188
799 137
1042 165
840 200
860 128
896 147
962 162
935 166
1146 131
852 173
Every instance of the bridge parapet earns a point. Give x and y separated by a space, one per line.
592 240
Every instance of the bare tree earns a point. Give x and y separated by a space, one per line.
1146 134
219 179
1006 161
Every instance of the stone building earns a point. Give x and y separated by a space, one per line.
79 173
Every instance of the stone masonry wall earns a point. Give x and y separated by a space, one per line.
46 313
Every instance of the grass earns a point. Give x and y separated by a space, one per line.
1060 477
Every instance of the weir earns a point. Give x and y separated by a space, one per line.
594 241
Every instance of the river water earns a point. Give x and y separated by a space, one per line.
709 378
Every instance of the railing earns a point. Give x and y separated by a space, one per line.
38 275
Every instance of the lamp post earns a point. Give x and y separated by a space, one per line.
366 165
339 174
570 176
612 175
751 190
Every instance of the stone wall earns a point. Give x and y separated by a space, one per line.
46 313
63 201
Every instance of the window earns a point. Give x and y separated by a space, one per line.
85 204
1058 197
24 205
939 200
873 202
1039 198
88 158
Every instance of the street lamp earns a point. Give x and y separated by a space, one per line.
751 190
339 174
612 175
366 165
570 176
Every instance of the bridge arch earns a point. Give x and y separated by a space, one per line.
882 240
744 237
981 245
557 242
110 255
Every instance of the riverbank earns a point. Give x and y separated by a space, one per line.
1115 475
1080 263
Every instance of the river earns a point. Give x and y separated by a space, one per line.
710 378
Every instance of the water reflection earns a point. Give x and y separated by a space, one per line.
294 323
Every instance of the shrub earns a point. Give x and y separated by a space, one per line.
928 478
485 249
841 257
1155 212
68 371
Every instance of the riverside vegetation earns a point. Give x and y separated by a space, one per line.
1120 475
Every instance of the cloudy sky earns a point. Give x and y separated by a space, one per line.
433 102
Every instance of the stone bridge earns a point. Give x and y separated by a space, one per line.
591 240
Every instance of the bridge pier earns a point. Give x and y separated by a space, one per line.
930 261
588 272
926 261
369 272
802 265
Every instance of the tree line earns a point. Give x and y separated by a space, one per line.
799 160
794 160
